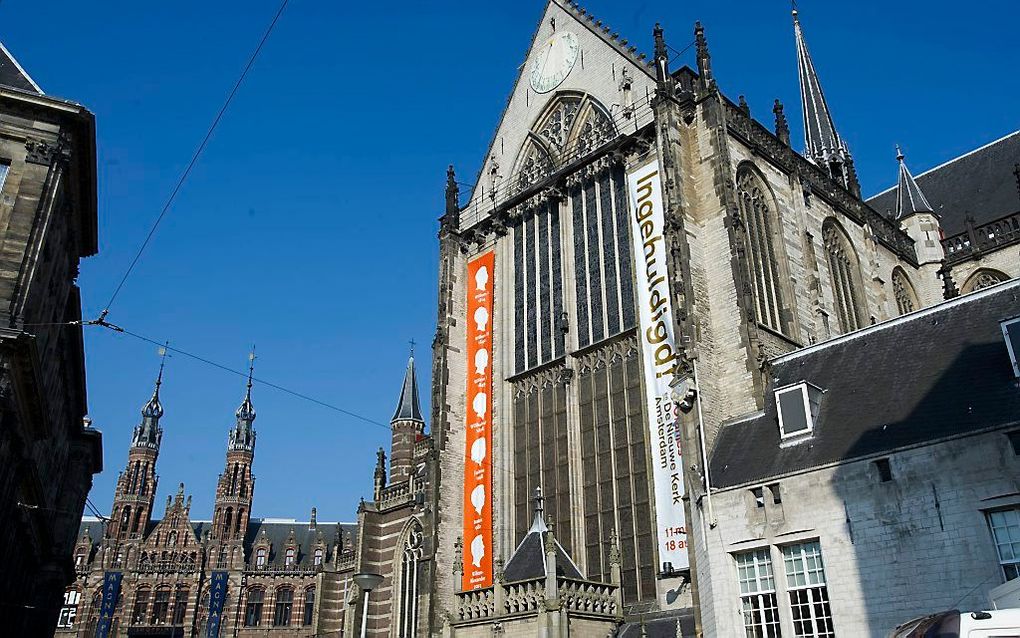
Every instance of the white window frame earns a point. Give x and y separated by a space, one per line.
1015 561
69 611
809 585
1014 357
804 391
5 170
760 592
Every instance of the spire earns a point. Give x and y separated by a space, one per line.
909 198
822 144
148 433
538 524
661 55
407 406
782 127
242 437
703 57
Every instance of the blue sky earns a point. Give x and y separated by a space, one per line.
308 226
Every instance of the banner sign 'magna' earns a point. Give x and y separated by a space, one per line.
111 592
217 593
658 350
478 433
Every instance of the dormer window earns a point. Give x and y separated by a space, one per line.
318 557
289 560
798 409
260 557
1011 333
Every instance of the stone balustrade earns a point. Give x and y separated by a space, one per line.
580 597
976 240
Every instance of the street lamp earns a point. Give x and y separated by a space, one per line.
367 582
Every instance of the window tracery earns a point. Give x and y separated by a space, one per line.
844 275
557 126
408 602
983 278
758 210
903 291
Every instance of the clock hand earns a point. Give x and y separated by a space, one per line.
545 61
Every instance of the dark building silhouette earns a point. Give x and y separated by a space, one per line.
48 451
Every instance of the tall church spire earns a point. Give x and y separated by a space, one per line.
407 425
242 437
909 198
148 433
822 144
408 408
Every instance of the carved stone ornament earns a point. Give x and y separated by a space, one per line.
597 359
541 380
39 152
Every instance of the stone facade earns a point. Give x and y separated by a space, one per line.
547 201
48 451
291 578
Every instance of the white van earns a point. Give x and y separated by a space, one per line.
999 623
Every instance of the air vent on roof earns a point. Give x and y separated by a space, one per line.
798 409
1011 333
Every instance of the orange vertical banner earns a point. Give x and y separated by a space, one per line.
478 420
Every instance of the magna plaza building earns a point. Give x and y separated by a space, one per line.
634 271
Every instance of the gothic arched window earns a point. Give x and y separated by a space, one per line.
983 278
180 605
141 606
903 290
758 209
407 606
253 607
125 519
160 606
306 617
845 276
284 604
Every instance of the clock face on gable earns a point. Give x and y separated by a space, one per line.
554 61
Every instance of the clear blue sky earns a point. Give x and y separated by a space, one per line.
308 227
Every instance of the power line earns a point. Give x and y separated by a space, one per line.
240 373
194 159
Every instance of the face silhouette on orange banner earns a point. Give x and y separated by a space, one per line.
478 421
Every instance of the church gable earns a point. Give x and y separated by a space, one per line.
576 76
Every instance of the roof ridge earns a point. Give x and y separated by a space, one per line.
949 161
910 316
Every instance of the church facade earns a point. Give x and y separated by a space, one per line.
648 248
637 262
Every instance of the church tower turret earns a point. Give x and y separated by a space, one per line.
136 485
407 425
822 144
236 484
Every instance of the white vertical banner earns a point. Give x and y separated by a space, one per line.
658 350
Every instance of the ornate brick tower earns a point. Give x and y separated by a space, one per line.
236 483
407 426
136 486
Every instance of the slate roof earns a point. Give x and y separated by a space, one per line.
980 183
660 625
939 372
12 75
528 560
277 531
408 408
